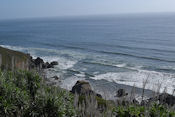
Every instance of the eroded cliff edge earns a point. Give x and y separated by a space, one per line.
10 59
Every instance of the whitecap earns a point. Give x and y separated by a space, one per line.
63 62
137 77
121 65
69 82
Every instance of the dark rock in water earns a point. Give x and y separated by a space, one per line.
121 93
164 98
45 65
98 95
39 61
167 98
83 88
50 66
56 77
134 101
54 63
144 102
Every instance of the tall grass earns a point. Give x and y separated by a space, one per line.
145 82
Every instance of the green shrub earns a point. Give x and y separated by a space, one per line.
154 110
24 94
158 110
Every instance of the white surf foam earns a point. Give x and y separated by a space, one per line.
12 47
63 62
68 83
121 65
137 77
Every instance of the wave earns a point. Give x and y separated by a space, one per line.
121 65
136 78
118 53
139 48
78 73
98 63
166 69
126 66
98 51
136 56
65 63
115 53
74 71
65 46
123 54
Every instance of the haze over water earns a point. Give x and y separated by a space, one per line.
123 49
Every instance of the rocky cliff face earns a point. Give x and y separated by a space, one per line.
12 60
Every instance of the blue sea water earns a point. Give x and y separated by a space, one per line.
123 49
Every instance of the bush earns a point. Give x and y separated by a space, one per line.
154 110
24 94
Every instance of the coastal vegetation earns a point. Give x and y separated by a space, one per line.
25 94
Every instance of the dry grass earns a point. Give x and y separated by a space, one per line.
133 94
92 106
145 81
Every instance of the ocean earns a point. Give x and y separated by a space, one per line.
107 51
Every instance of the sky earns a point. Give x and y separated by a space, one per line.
12 9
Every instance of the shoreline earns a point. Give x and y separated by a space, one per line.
42 66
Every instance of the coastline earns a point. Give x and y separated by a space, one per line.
83 92
41 66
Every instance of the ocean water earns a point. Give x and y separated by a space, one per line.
105 50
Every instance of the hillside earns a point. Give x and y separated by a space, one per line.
10 59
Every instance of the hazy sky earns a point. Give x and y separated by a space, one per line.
47 8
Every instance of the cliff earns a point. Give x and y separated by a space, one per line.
11 60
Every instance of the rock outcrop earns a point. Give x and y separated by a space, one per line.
121 93
54 63
164 98
83 88
56 77
40 64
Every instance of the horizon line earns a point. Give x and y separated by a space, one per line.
89 15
